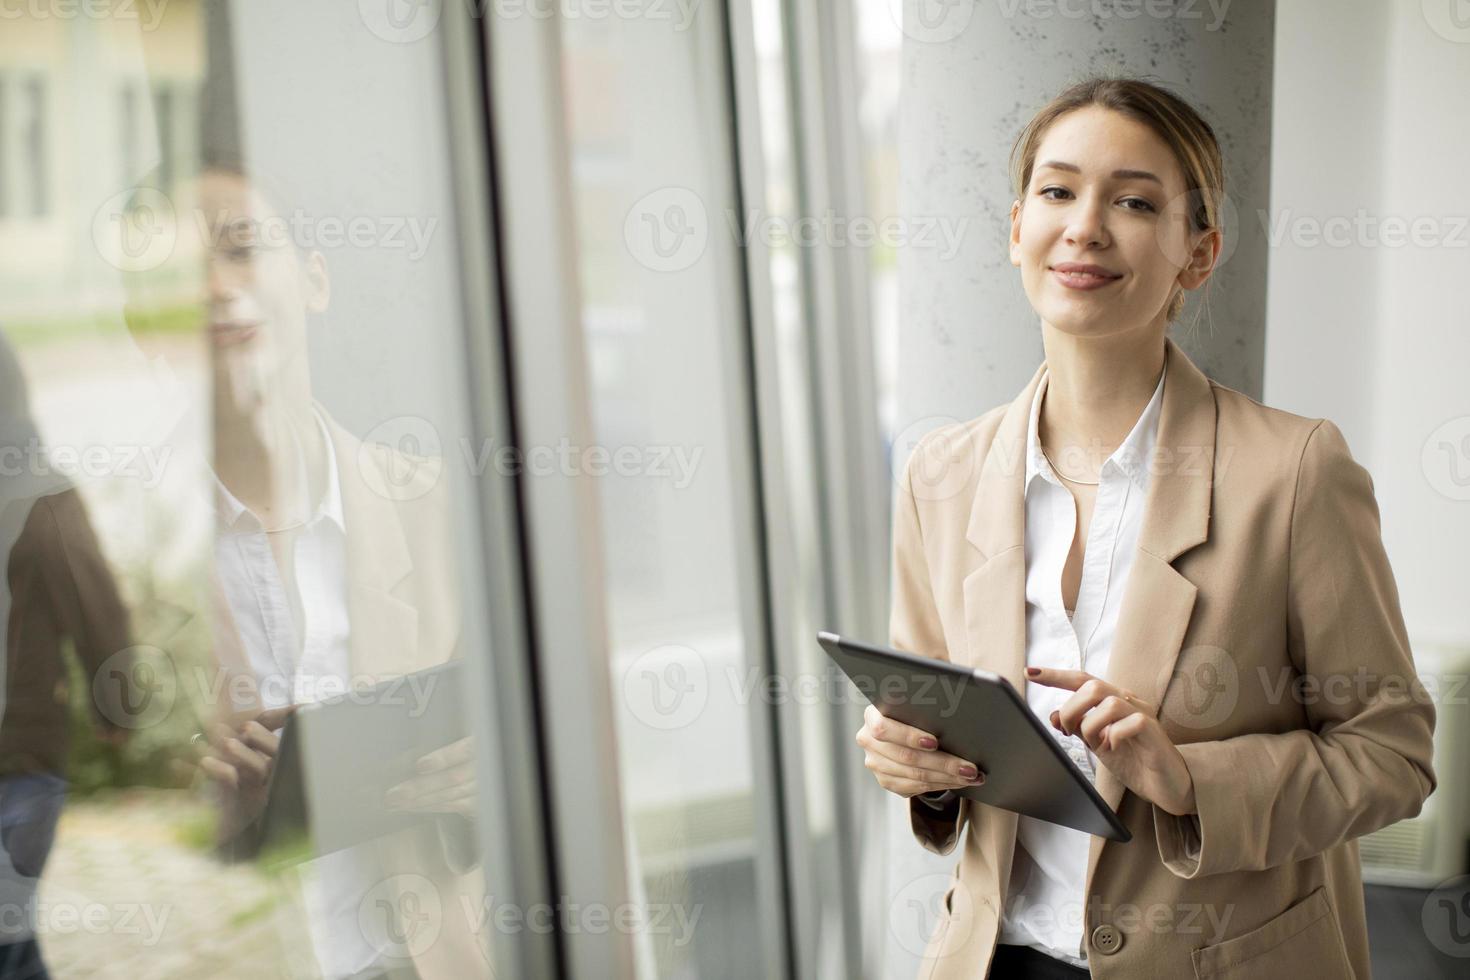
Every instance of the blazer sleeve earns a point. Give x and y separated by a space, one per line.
1365 760
914 627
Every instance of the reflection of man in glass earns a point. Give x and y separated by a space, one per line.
329 572
57 589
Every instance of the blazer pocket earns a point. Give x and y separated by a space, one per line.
1302 941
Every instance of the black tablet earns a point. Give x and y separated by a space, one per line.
980 717
339 757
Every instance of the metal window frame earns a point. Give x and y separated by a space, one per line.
511 822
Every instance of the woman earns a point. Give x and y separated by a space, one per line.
1189 586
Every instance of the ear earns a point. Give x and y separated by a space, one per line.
1202 259
318 285
1015 233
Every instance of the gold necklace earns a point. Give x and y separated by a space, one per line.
1057 470
301 456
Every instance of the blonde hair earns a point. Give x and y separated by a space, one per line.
1174 120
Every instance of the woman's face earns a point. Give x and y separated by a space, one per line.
1106 192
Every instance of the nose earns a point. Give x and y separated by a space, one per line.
220 279
1085 223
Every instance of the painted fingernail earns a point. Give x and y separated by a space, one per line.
1032 671
928 743
969 772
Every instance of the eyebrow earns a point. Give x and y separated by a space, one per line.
1117 174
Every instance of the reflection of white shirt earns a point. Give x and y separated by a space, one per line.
1046 900
333 884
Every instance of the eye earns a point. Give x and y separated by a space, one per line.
1045 190
1138 200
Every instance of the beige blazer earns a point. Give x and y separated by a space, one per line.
1260 573
403 614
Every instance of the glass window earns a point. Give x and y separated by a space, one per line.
654 220
244 601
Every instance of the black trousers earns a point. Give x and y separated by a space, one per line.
1025 963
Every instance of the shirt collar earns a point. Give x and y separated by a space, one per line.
231 511
1131 457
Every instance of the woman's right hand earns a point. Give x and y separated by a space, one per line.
906 761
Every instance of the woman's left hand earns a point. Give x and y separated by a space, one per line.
1127 739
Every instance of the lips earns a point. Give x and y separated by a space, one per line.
1084 269
228 334
1075 275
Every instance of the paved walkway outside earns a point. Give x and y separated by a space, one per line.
128 893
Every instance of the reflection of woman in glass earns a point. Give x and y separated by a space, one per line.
1153 559
58 589
333 568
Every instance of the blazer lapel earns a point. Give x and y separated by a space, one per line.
1158 600
384 628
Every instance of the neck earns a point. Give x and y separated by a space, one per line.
256 457
1096 389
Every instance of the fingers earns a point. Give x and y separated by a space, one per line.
220 772
906 760
274 719
456 753
257 737
909 780
1090 693
1112 708
888 730
1070 680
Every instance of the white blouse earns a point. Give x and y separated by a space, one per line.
1045 899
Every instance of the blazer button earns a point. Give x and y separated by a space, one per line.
1107 940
